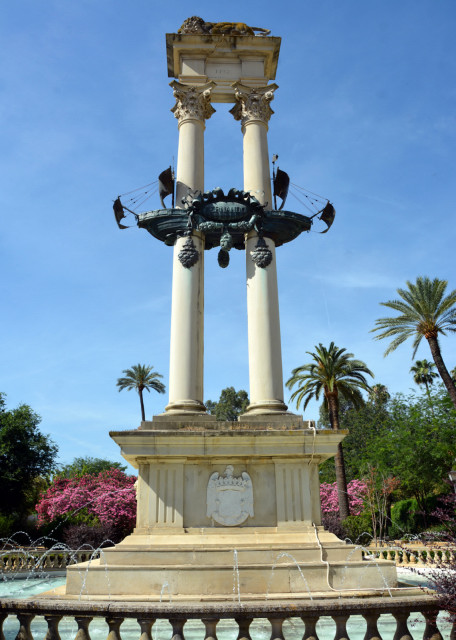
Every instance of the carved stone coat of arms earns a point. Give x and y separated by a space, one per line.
229 499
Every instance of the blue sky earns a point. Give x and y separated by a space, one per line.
365 115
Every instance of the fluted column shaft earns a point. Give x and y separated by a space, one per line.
192 108
265 354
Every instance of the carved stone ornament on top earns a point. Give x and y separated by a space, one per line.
192 103
253 104
229 499
196 25
224 220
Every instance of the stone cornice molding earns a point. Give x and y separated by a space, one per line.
252 104
192 102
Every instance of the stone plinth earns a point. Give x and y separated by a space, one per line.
224 501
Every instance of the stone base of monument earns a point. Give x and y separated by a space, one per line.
228 510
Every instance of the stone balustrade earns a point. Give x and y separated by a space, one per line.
36 560
411 555
146 614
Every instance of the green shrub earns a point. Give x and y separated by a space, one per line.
358 528
8 525
408 518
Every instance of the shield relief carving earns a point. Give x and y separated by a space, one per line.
229 498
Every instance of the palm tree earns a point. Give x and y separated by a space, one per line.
337 375
423 374
424 312
141 377
379 394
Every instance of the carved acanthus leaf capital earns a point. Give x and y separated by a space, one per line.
192 102
253 103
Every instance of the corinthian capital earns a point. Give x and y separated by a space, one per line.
192 102
253 104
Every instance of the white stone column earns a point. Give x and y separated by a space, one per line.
192 108
265 355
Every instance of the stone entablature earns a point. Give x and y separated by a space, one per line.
198 59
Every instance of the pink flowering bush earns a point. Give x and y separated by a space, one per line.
106 498
357 492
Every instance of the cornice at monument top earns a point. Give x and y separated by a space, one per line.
196 59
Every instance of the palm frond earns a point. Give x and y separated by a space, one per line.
334 370
424 311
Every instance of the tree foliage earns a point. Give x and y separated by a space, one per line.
412 438
230 405
423 373
26 455
365 424
107 498
87 465
336 375
419 445
356 490
424 311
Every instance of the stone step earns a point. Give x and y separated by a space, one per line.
204 580
226 557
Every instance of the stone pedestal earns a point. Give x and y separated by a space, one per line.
228 501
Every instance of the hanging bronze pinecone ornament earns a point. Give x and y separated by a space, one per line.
189 254
223 258
262 254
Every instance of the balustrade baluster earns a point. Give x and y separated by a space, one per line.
402 630
83 627
114 628
211 628
244 624
145 625
431 631
310 628
25 619
178 628
341 626
53 627
372 632
3 617
276 628
453 631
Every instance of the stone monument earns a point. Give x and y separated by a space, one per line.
218 500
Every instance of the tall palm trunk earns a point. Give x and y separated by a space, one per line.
441 368
426 384
341 479
143 413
